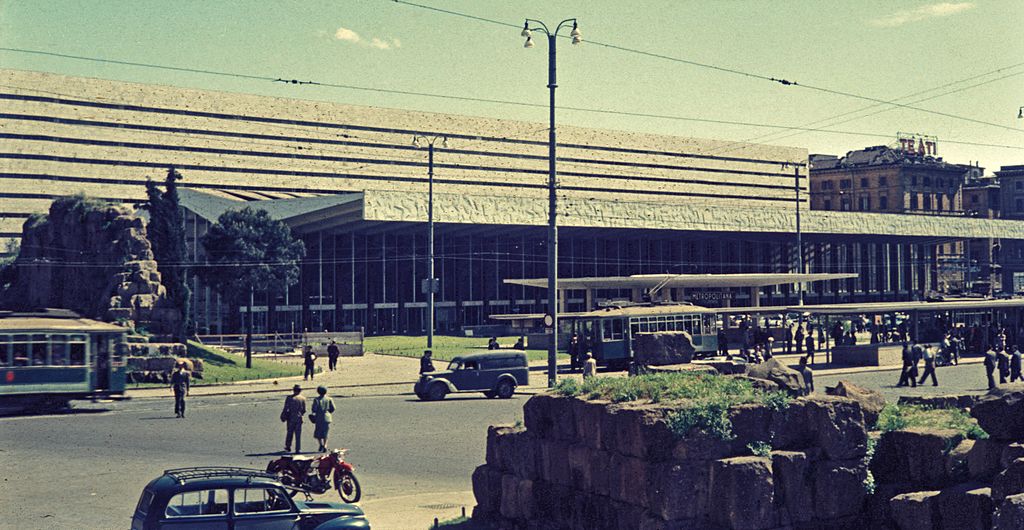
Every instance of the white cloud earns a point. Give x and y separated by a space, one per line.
346 34
900 18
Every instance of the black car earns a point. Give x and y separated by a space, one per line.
496 374
229 498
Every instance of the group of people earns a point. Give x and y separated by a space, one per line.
913 354
309 360
519 345
294 414
1008 364
758 344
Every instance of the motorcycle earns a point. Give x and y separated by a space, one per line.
313 474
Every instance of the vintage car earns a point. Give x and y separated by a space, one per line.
496 374
223 498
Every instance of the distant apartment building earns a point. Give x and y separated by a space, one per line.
909 179
1011 195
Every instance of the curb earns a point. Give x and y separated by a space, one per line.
281 389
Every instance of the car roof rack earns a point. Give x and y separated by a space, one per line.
185 474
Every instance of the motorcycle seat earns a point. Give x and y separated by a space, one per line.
300 458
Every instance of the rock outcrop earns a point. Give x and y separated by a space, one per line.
93 258
871 401
663 348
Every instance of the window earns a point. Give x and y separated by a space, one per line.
863 183
974 199
913 180
882 181
59 350
39 350
845 184
198 503
19 347
260 500
5 352
883 203
844 204
1020 208
76 347
470 365
828 204
612 329
927 181
145 502
1019 185
927 202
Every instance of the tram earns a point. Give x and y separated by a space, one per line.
610 333
49 358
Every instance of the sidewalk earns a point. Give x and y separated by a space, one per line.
417 511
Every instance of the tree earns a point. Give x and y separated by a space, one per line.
166 232
248 251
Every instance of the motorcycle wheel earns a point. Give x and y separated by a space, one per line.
348 487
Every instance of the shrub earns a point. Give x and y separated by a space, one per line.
896 417
776 400
759 448
709 417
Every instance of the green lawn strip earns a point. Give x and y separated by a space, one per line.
222 367
462 523
703 399
898 417
445 347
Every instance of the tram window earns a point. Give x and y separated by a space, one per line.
5 350
59 350
77 350
662 324
19 349
39 350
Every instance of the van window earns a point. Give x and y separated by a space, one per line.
196 503
260 500
470 365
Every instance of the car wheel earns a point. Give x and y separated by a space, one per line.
490 394
437 392
505 389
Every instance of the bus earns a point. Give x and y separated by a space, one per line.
610 332
49 358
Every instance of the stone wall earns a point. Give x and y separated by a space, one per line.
597 465
93 258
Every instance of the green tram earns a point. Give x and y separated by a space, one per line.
610 332
48 359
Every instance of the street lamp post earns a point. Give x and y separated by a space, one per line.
799 235
430 286
552 200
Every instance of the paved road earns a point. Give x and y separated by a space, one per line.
86 469
952 380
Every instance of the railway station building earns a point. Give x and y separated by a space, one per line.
353 187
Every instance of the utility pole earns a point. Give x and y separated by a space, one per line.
799 236
431 283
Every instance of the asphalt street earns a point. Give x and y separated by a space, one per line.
86 469
966 378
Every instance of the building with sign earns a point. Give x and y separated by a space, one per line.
351 185
1011 252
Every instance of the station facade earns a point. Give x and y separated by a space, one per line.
353 187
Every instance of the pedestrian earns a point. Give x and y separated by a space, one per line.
332 356
810 347
309 359
788 337
291 415
426 362
769 348
928 354
1015 362
723 342
493 344
808 375
909 373
990 367
181 380
1003 363
520 344
589 367
799 337
321 410
574 353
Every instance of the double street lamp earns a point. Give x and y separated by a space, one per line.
552 321
430 285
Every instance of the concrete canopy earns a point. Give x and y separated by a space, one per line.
670 281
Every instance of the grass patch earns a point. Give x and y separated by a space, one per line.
445 347
895 417
462 523
708 397
222 367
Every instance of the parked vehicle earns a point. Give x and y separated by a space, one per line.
495 374
223 498
318 474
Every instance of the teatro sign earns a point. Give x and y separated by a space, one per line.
918 144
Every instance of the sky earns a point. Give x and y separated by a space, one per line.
880 50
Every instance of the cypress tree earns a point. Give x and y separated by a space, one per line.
166 232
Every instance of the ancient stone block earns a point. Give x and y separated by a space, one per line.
642 431
985 459
999 412
160 364
509 504
915 455
965 507
554 462
775 370
949 401
487 489
498 449
751 422
663 348
744 492
1011 452
839 488
791 427
679 491
838 426
587 416
871 401
700 446
957 468
1009 482
627 480
794 486
526 507
1010 514
915 511
580 457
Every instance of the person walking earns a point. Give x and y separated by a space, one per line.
990 367
788 338
808 376
291 415
800 337
723 343
181 380
574 353
589 366
1003 364
810 347
426 362
909 373
928 354
309 359
322 408
1015 365
332 356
